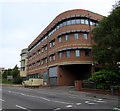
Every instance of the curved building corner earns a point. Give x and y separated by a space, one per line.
23 65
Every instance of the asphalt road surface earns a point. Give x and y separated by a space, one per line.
26 99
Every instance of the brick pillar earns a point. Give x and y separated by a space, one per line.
78 84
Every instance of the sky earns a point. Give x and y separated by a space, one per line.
21 21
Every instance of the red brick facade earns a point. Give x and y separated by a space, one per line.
66 45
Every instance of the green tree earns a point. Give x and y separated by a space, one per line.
15 73
107 37
6 73
106 51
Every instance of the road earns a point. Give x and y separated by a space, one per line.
28 99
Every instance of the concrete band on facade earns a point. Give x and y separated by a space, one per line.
62 53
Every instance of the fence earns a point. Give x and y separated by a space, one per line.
88 84
91 87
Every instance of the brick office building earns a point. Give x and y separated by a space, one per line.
62 52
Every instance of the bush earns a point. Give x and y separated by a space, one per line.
90 79
105 79
117 87
17 80
4 81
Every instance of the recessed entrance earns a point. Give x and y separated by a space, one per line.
68 74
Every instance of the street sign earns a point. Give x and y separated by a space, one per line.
9 77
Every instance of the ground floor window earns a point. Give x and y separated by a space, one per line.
87 53
77 53
45 76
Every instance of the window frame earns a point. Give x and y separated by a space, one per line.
67 37
60 55
59 39
77 53
76 36
85 36
68 54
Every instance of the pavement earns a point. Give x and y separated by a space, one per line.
72 90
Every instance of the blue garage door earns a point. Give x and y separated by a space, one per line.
53 75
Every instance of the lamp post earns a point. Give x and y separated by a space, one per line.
92 65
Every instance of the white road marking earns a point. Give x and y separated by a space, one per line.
21 107
45 98
99 101
87 101
9 91
91 103
29 95
38 97
69 106
57 109
61 102
2 100
78 103
22 94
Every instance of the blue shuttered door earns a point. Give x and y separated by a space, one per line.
53 75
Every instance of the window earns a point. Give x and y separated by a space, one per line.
85 36
60 55
86 21
23 69
67 37
38 52
87 53
58 27
77 53
69 22
43 49
76 36
30 57
53 43
50 58
50 44
45 76
24 54
68 54
64 23
94 24
77 21
46 60
82 21
53 57
42 62
73 21
34 55
59 39
46 47
33 64
23 63
91 23
38 63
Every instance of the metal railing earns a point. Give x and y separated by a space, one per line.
88 84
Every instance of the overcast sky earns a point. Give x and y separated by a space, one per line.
21 21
